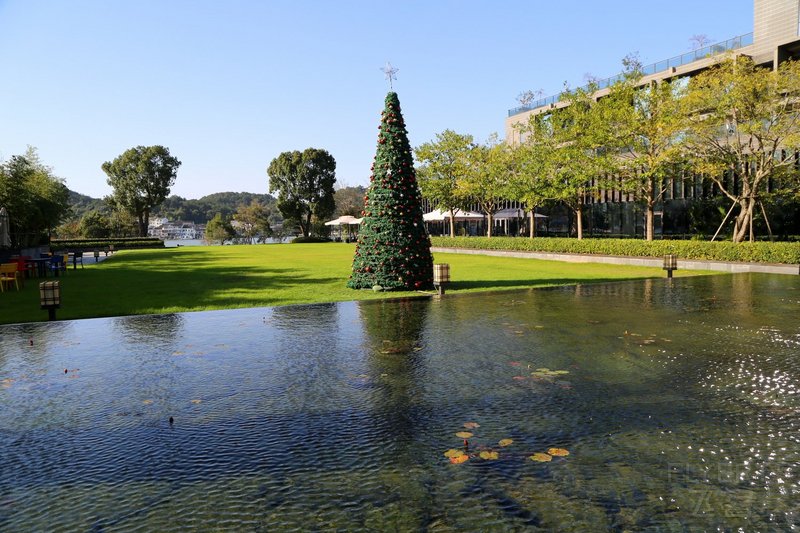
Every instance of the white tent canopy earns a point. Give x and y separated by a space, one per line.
506 214
344 219
437 215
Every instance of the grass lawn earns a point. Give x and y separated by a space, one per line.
199 278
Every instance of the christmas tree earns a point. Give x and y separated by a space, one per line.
393 249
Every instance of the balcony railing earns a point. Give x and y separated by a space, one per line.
684 59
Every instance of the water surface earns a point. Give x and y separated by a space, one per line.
677 401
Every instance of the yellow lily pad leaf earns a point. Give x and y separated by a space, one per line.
489 455
452 452
459 459
505 442
558 452
471 425
463 434
196 401
543 369
147 402
541 457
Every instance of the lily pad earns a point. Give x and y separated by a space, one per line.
452 452
489 455
505 442
558 452
463 434
196 401
471 425
147 402
541 457
459 459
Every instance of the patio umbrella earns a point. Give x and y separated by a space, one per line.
5 238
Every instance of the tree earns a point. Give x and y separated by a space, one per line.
35 199
219 229
486 177
442 163
582 155
253 221
393 249
744 131
527 182
649 127
95 225
304 181
141 178
349 201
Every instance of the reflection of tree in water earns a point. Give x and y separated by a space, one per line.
393 331
304 318
155 331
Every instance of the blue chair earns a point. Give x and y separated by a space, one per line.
57 264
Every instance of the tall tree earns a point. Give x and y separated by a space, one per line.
304 181
36 200
393 249
487 175
582 157
443 163
219 229
530 167
744 131
649 130
141 179
253 221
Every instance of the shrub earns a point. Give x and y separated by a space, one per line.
755 252
300 240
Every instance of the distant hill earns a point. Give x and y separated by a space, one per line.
178 208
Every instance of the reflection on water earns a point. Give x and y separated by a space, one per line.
678 402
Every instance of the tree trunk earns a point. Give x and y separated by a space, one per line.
452 223
532 230
579 220
649 221
744 221
490 221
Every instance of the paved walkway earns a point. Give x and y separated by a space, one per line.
687 264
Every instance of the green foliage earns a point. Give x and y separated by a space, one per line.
219 229
757 252
442 163
393 249
304 182
310 239
36 200
744 124
253 221
95 225
102 244
141 179
349 201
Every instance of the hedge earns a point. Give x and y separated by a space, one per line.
755 252
102 244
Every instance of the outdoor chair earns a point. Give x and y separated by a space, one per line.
9 274
77 257
58 264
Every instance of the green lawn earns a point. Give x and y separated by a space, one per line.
198 278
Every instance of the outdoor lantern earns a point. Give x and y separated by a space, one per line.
441 276
50 297
670 264
96 255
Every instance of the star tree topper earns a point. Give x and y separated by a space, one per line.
390 72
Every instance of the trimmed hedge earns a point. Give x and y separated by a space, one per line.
102 244
755 252
300 240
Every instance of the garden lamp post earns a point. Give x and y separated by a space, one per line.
670 264
50 297
441 277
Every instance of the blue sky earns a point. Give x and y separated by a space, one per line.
227 86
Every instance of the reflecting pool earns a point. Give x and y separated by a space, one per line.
651 405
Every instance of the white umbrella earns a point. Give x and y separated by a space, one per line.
465 215
344 219
355 221
5 238
433 216
505 214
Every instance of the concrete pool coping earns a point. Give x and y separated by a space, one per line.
688 264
